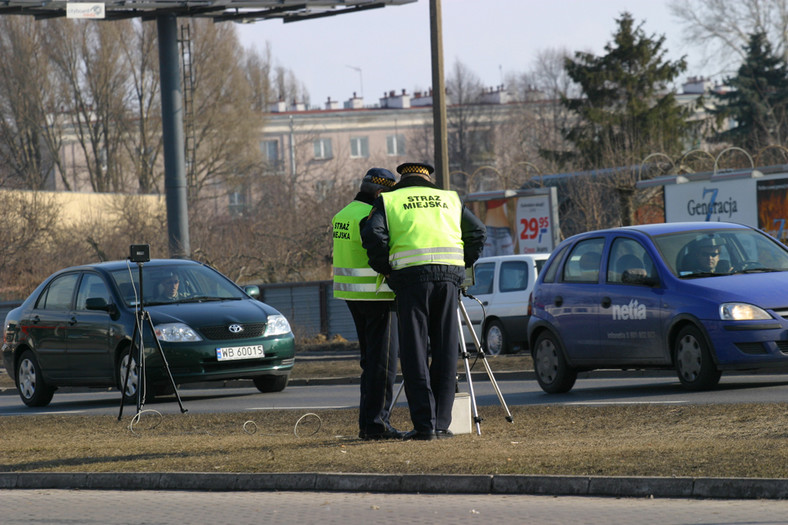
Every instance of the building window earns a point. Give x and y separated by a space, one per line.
395 145
237 201
323 149
323 188
270 149
359 147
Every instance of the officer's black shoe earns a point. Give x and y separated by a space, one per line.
390 433
420 435
444 434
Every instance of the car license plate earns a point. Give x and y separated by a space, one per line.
240 352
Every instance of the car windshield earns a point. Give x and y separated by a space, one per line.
174 284
709 253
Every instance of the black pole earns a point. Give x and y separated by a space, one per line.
173 138
439 98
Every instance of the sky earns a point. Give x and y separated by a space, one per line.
376 51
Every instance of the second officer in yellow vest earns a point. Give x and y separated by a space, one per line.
422 238
372 306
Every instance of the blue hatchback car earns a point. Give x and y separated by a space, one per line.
698 297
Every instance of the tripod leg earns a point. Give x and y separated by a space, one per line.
164 360
483 356
464 354
396 396
125 383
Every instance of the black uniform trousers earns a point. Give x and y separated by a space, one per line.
376 326
429 327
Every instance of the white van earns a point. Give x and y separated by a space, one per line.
502 285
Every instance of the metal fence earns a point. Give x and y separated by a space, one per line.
311 308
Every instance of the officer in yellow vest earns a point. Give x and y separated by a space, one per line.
422 238
372 308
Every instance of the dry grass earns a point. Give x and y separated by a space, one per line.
717 440
725 440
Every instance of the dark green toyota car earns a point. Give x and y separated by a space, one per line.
78 329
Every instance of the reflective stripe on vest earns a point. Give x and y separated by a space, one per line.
424 227
353 278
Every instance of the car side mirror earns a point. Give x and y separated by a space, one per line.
252 291
99 303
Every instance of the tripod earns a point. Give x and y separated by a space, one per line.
462 313
142 319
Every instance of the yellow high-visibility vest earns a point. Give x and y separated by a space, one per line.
354 280
424 227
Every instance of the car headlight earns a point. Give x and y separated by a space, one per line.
742 312
176 333
277 325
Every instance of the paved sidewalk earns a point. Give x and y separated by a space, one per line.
45 507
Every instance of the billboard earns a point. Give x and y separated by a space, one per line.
772 199
725 200
518 221
760 202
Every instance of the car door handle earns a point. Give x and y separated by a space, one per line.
36 319
558 301
485 303
606 302
72 321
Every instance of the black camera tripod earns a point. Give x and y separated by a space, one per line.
142 320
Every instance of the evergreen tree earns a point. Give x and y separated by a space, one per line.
757 103
626 110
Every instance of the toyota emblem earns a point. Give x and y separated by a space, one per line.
235 328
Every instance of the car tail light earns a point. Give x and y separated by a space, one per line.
530 308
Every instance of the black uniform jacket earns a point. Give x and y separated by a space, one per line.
375 239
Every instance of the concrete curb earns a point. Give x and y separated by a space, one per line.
710 488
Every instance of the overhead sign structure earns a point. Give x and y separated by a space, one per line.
85 10
760 202
166 13
518 221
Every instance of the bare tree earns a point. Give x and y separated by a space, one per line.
92 67
722 29
29 221
538 117
30 130
468 137
143 143
221 123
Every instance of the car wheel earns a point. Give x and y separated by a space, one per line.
128 364
30 382
495 342
553 373
270 383
694 365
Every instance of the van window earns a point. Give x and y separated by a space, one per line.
483 279
514 276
